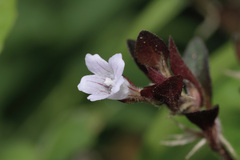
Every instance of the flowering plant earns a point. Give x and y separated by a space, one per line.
185 88
108 81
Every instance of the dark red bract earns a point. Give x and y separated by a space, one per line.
151 55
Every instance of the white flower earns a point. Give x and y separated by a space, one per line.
107 81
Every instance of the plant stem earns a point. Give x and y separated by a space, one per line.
222 151
215 143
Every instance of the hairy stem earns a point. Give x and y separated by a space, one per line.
212 135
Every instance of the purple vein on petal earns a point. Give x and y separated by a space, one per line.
104 68
100 84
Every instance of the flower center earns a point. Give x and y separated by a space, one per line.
109 82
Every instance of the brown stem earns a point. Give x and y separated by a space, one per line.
222 151
212 136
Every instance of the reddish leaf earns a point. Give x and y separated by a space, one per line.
151 51
151 73
204 119
147 92
155 76
179 68
169 91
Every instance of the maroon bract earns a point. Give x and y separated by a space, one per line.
150 50
169 92
204 119
151 55
178 67
155 76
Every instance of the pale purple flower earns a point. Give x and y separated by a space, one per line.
107 81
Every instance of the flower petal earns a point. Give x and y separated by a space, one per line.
97 97
117 85
123 91
117 64
93 84
97 65
108 81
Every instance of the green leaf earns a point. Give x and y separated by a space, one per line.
18 149
7 17
196 58
69 135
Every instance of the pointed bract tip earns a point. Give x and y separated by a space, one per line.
205 118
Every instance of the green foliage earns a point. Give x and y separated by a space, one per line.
7 17
42 114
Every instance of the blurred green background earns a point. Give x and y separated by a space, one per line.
45 117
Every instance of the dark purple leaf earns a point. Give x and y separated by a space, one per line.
180 68
147 92
155 76
196 58
205 118
151 51
169 91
